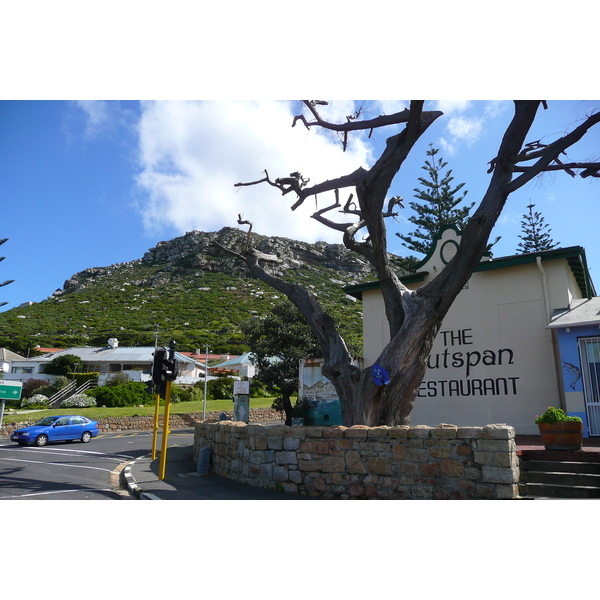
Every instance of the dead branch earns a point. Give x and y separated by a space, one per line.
352 124
551 153
241 222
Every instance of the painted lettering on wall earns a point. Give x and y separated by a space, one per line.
457 355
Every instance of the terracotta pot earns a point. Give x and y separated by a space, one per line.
563 435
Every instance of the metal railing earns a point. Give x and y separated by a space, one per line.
70 390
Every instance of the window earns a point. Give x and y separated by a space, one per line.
21 370
114 368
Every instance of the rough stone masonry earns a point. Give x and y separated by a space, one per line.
443 462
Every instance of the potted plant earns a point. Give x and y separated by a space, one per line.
560 431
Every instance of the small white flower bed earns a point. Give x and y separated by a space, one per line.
78 401
35 400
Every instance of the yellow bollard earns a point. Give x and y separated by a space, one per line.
165 436
155 434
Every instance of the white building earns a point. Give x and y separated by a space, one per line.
495 359
136 362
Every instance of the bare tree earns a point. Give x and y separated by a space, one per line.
414 317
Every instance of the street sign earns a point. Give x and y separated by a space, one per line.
241 387
10 390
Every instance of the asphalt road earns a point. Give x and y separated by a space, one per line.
74 471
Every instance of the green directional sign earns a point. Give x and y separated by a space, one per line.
10 390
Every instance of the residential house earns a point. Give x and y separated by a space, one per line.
136 362
6 356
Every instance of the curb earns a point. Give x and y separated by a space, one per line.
132 485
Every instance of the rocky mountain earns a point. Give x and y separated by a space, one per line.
188 290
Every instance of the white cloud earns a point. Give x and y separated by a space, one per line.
192 153
97 116
465 129
452 106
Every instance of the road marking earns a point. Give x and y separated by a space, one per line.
56 492
46 450
59 464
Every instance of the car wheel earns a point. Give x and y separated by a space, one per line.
41 440
86 437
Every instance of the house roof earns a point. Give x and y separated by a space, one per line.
139 354
232 363
574 255
7 355
581 312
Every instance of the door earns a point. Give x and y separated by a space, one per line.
589 350
61 430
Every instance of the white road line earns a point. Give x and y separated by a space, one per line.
59 464
67 451
55 492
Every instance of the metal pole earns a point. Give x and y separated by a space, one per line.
205 379
165 436
2 411
155 434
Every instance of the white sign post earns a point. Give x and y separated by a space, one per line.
9 390
241 402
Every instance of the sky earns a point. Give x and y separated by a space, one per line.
93 183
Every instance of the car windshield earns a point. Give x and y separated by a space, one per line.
46 421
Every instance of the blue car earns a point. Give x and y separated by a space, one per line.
53 429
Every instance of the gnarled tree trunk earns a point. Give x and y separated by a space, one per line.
414 317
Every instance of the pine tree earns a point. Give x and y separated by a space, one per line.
536 234
437 207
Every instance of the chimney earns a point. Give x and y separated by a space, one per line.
113 343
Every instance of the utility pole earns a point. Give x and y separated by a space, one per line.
205 380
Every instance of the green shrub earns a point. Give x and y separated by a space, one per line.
81 378
127 394
31 386
258 389
192 393
555 415
220 389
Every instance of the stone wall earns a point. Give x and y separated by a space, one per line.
443 462
176 421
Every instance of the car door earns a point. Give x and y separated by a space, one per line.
61 429
77 427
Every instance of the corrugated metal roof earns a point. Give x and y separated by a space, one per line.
243 359
141 354
7 355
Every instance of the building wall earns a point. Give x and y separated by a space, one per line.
493 360
570 361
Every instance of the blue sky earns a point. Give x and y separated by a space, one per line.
92 183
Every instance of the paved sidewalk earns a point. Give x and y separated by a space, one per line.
182 483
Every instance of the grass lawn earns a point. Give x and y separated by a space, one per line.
129 411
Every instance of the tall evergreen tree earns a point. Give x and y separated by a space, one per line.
437 206
8 280
536 233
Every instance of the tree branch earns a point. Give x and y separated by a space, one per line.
551 153
590 169
352 124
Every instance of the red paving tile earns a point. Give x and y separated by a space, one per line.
532 446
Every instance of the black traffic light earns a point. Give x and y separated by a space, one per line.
164 367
